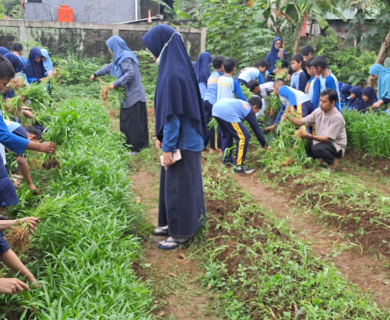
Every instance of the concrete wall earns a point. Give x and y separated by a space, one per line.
86 11
88 38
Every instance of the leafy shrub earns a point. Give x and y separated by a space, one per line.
368 131
234 30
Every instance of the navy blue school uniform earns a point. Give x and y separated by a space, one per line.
210 99
354 103
370 93
230 113
299 81
180 124
202 71
8 195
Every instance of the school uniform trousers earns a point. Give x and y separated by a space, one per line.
240 134
213 137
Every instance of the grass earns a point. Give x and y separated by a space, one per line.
368 131
83 256
261 270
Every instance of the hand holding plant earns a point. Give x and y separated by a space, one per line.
12 286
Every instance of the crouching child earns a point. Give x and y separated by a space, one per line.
229 114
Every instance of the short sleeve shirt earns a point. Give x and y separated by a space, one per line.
331 125
3 244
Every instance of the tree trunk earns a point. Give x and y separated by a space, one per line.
381 57
298 28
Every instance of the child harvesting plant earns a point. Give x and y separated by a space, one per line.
30 133
7 255
133 115
292 98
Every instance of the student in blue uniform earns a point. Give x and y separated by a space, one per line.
344 95
180 124
228 87
291 98
17 49
7 190
47 63
327 79
34 70
209 100
18 67
383 75
313 87
369 98
298 78
202 71
30 133
255 73
275 55
230 113
3 51
355 97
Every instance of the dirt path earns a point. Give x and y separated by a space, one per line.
175 278
368 273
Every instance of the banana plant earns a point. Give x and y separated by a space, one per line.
296 11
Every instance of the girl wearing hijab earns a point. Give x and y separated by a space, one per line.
3 51
275 55
133 115
344 92
34 69
202 71
368 99
18 67
47 63
356 97
180 129
383 75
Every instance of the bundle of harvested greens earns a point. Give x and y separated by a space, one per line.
49 207
273 105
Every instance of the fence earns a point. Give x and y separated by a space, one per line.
89 38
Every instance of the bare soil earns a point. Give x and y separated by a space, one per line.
378 165
369 274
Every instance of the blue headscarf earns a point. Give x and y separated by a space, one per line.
3 51
273 55
357 91
383 81
33 69
369 92
48 64
345 89
202 67
193 64
121 52
15 61
177 90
